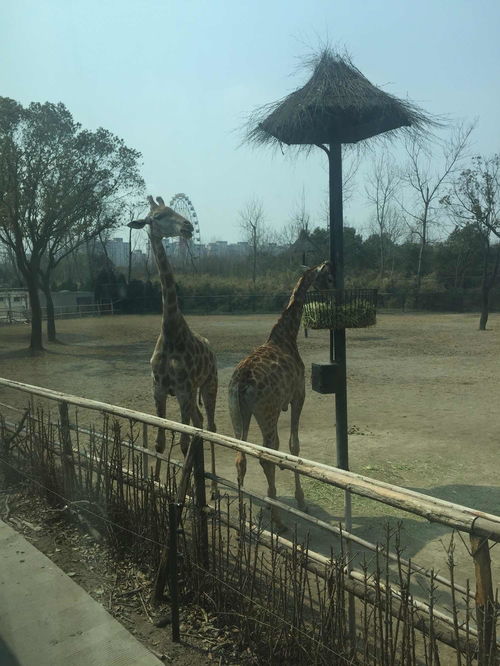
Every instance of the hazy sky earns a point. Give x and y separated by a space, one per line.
177 79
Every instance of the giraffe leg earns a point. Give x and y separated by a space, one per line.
161 410
296 409
241 467
209 395
269 427
190 413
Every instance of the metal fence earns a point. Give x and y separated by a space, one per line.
60 312
291 604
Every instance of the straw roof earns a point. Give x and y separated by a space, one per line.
337 105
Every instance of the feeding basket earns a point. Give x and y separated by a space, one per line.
340 308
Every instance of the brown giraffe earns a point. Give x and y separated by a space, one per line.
182 363
271 378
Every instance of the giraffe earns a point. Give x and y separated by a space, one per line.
270 379
182 363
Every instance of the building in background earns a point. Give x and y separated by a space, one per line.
118 251
14 304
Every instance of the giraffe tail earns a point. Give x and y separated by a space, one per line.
241 402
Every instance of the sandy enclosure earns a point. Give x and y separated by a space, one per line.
423 392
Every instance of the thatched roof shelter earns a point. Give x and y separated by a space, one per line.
337 105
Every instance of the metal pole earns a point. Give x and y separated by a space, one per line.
338 348
337 341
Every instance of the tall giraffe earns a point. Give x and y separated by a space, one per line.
182 363
270 379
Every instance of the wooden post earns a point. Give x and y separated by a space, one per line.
145 457
485 601
68 463
200 500
4 442
32 419
163 567
173 521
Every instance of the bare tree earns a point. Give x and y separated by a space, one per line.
475 200
298 228
425 184
381 188
300 220
351 164
252 225
350 168
132 213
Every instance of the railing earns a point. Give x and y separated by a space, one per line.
455 516
480 526
13 316
83 310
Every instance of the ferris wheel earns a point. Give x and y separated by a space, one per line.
181 203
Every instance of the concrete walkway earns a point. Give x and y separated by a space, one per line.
48 620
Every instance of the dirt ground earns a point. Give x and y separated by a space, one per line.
423 392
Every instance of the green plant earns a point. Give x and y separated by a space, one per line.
357 314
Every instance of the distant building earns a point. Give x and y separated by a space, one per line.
217 249
118 251
66 300
240 249
14 304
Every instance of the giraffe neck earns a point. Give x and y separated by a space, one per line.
285 331
172 317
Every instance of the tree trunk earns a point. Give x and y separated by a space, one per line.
51 319
420 261
382 263
129 273
485 293
488 282
423 243
254 260
36 311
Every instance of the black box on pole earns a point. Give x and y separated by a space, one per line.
325 377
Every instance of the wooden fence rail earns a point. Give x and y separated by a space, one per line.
285 508
480 526
455 516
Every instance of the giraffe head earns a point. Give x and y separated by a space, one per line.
320 277
164 221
